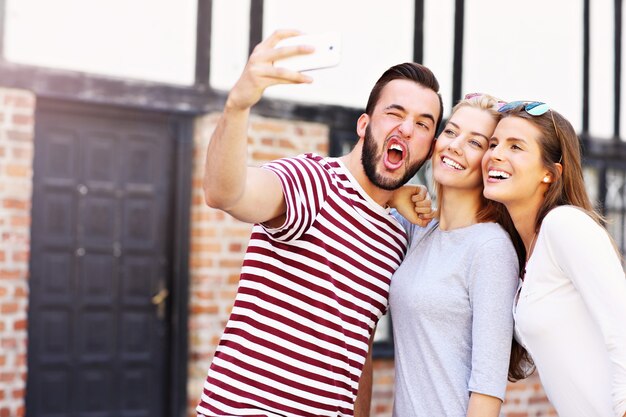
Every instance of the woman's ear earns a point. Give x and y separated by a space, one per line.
559 168
549 177
361 125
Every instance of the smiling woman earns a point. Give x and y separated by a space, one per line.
572 304
471 352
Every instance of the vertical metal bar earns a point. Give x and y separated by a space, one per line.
586 54
457 66
602 187
3 17
618 69
622 214
256 24
182 129
418 32
203 43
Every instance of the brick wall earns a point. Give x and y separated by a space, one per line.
217 246
16 154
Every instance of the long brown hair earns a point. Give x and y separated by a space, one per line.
520 363
560 148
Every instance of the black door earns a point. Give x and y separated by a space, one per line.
100 264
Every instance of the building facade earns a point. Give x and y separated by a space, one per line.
115 279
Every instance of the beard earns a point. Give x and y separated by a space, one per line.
370 157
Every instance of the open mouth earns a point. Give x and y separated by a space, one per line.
498 175
395 154
451 163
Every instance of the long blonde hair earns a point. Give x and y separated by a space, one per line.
489 211
520 363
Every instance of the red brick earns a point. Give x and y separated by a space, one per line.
20 221
19 136
20 325
204 232
21 256
19 171
18 393
272 127
235 247
7 376
8 308
23 154
287 144
12 203
230 263
20 101
204 294
206 248
23 120
243 232
11 274
20 292
200 263
233 279
211 309
266 156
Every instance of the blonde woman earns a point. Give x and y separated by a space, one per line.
451 299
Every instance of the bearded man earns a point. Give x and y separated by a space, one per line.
316 274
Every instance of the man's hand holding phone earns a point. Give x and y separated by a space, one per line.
280 59
326 54
260 71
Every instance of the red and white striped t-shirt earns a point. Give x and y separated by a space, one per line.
310 294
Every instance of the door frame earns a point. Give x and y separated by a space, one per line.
181 133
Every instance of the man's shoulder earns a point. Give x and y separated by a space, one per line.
306 159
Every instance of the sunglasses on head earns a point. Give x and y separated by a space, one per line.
534 108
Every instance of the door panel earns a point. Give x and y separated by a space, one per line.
102 206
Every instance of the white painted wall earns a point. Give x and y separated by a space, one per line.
229 41
601 69
529 50
152 40
439 45
375 35
515 50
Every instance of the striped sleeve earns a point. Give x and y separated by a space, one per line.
305 186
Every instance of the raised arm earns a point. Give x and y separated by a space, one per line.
250 194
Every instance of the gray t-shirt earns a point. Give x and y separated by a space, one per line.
451 309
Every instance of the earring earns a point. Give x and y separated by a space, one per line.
546 179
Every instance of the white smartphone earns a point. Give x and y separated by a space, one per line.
327 52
